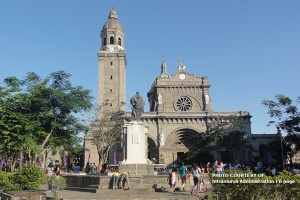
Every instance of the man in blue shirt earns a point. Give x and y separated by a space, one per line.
182 171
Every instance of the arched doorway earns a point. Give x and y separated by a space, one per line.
152 153
179 143
263 154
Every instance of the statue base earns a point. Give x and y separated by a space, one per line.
137 169
135 143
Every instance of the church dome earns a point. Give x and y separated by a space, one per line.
112 22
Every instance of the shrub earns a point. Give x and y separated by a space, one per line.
6 182
58 183
274 189
29 178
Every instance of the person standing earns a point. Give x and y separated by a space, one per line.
207 167
49 173
216 167
57 169
104 168
95 168
92 168
182 171
116 176
273 171
202 180
196 177
87 168
172 179
58 172
124 178
76 168
221 167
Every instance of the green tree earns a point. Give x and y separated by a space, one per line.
75 153
106 131
287 119
15 124
39 114
234 141
225 132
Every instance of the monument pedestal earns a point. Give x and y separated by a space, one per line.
135 160
137 169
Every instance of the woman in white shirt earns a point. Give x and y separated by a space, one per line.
196 177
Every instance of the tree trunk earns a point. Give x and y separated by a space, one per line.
231 157
99 161
45 156
44 150
12 165
105 157
30 158
46 139
21 160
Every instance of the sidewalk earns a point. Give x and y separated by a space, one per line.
109 194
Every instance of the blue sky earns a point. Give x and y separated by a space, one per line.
249 49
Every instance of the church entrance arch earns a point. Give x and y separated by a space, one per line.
152 153
181 141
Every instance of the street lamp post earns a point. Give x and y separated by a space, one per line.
173 159
281 145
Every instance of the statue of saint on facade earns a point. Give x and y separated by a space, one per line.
159 99
138 104
161 139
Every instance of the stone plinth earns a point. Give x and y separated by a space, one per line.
95 184
135 144
137 169
23 195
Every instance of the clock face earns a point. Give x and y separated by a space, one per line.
181 76
111 49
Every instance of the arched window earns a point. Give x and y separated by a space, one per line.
119 42
104 41
183 104
111 40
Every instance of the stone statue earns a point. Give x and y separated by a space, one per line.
206 99
161 139
159 99
138 104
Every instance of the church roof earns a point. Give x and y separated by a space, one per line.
112 22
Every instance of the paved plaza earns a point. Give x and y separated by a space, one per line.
132 194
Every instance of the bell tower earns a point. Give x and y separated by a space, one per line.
112 65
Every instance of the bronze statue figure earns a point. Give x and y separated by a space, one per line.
138 104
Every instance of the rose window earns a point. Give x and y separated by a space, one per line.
183 104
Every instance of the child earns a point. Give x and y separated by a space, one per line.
202 181
172 179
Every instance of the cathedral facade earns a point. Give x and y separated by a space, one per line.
180 103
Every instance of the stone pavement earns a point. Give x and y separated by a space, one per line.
119 194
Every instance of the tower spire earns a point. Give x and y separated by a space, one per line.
164 73
113 14
181 66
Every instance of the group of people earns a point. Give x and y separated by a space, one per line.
119 180
53 170
197 173
90 168
218 167
271 171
